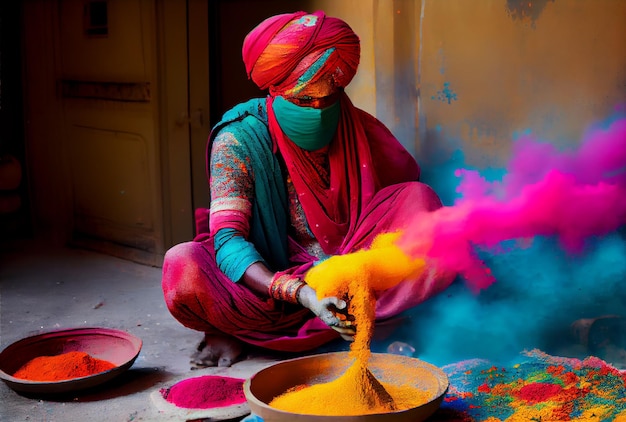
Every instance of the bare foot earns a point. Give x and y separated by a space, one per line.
217 350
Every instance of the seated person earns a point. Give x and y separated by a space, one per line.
294 178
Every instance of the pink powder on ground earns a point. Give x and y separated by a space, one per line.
206 392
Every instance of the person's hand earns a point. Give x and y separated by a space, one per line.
331 310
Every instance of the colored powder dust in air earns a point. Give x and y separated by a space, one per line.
357 392
206 392
571 196
61 367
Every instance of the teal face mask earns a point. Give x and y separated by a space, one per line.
309 128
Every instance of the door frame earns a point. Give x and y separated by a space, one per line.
183 48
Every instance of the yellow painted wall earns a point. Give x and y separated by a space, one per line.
458 80
94 148
552 67
553 74
360 16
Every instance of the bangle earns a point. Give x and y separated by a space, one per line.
286 288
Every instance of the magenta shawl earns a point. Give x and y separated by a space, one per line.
332 212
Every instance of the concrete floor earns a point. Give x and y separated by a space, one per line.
43 290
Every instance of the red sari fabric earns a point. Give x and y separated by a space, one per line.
333 211
202 298
373 189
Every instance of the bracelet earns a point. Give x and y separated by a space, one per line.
286 288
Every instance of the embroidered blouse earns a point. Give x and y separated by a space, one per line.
232 188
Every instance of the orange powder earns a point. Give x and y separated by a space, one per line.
355 392
62 367
357 276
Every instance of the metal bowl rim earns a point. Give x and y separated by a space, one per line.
23 385
439 396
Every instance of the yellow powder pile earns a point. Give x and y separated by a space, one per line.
357 276
355 392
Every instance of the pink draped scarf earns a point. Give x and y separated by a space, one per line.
373 189
332 212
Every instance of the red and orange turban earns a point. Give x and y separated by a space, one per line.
288 52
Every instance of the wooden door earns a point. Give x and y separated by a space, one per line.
109 93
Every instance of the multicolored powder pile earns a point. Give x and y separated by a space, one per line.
205 392
357 392
539 387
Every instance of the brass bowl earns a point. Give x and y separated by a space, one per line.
115 346
274 380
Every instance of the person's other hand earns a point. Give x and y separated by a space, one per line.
331 310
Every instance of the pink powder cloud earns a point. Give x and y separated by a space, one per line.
572 195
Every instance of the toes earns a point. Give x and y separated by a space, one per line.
225 361
230 357
204 357
217 350
203 362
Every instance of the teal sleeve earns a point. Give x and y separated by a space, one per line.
234 254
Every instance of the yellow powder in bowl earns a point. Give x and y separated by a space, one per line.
352 394
357 392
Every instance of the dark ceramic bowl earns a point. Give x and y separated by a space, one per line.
115 346
274 380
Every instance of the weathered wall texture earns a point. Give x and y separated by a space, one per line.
455 80
469 76
493 69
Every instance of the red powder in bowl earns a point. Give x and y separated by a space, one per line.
206 392
62 367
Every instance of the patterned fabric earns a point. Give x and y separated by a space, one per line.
230 164
266 225
287 52
300 230
202 297
232 196
275 202
232 185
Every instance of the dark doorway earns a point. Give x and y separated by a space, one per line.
230 22
14 204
